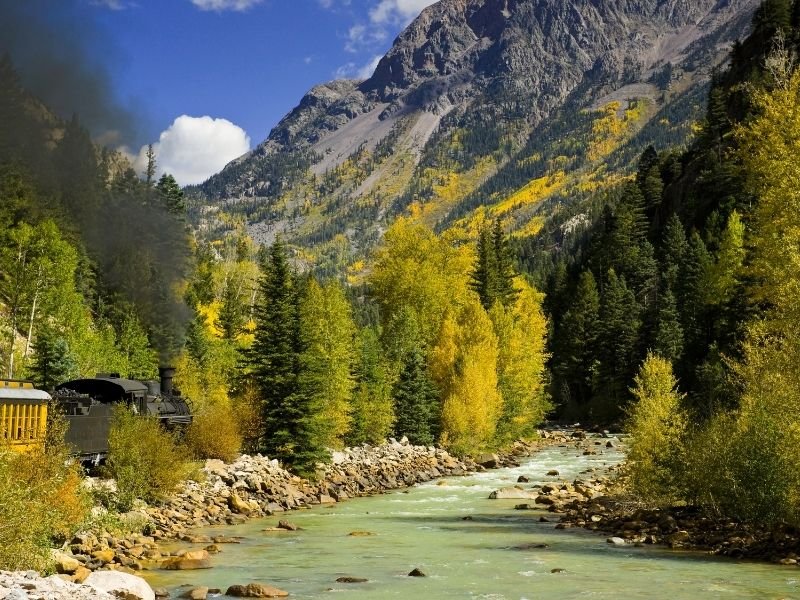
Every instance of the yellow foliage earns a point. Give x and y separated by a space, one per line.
533 193
416 269
214 433
658 426
522 335
612 127
464 366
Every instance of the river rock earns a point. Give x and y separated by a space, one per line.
553 473
616 541
513 493
121 585
179 563
255 590
490 461
194 554
104 556
523 479
197 593
351 580
417 573
65 563
360 534
286 525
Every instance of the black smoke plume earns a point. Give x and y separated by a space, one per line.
50 48
139 250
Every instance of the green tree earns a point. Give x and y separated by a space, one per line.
328 336
668 340
52 363
171 194
574 362
234 311
416 401
373 408
618 344
274 359
494 273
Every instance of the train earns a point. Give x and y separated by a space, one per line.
23 415
88 406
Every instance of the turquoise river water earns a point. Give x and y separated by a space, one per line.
493 556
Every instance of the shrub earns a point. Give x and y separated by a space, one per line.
214 433
146 461
658 427
42 502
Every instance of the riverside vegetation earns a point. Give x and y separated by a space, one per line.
674 307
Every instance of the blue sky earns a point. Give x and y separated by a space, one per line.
247 62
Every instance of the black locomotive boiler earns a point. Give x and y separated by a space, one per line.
88 406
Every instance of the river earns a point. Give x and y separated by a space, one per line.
492 555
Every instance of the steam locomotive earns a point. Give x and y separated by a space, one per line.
88 406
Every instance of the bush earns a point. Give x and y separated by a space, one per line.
658 427
214 433
42 502
146 461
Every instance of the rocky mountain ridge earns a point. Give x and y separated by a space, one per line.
498 70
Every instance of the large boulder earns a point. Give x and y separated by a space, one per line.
65 563
255 590
513 493
121 585
180 563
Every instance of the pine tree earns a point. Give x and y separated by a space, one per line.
507 293
493 277
171 194
668 340
53 362
274 359
233 313
416 401
618 344
485 277
575 349
674 249
150 169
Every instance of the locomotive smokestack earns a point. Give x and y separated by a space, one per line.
166 374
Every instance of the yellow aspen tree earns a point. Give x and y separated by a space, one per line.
522 333
417 270
464 367
328 336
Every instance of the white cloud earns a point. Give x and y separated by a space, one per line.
220 5
352 70
360 37
194 148
398 11
368 69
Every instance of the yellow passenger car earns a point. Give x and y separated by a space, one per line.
23 415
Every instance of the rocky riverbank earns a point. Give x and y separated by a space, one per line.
254 487
596 502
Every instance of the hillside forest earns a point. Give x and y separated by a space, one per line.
665 299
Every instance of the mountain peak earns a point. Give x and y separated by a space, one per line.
492 72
